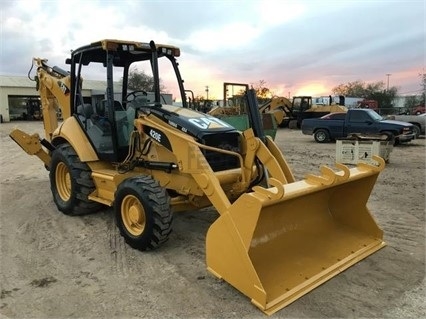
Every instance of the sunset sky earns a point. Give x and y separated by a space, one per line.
295 47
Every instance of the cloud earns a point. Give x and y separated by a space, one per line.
288 44
247 29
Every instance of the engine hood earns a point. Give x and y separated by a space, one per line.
397 123
189 121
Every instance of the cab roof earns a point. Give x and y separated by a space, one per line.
125 52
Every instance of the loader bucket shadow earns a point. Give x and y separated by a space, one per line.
276 249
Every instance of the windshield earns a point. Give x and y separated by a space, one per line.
142 79
374 115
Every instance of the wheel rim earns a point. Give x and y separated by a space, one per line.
63 181
133 215
320 136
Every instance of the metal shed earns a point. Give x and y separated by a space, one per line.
16 92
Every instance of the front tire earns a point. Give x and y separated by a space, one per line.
143 213
322 136
71 182
390 137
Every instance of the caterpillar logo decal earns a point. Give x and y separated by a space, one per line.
65 90
158 136
208 122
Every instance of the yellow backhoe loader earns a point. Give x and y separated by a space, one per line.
280 107
275 238
303 108
292 113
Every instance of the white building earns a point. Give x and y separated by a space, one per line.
18 94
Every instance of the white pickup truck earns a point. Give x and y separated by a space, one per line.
419 122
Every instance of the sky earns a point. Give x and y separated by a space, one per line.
300 47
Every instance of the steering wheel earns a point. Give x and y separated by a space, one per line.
134 94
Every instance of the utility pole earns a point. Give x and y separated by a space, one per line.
388 75
207 91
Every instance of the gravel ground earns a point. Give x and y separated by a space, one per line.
56 266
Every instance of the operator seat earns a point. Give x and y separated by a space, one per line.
85 113
100 118
101 107
118 106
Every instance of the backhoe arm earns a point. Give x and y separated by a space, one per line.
279 106
274 103
53 85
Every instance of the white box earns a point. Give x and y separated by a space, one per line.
356 151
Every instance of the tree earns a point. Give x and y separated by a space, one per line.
262 92
411 102
355 89
385 99
423 85
140 81
372 91
359 89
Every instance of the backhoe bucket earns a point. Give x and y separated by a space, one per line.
277 244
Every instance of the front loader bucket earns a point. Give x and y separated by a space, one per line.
277 244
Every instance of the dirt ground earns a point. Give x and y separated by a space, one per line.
55 266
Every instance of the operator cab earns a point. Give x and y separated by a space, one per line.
108 121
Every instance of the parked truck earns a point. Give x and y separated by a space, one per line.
364 121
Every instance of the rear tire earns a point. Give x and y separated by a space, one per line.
71 182
143 213
322 136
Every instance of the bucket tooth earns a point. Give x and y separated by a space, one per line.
329 176
275 193
367 166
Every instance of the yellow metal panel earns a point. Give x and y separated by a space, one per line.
73 133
